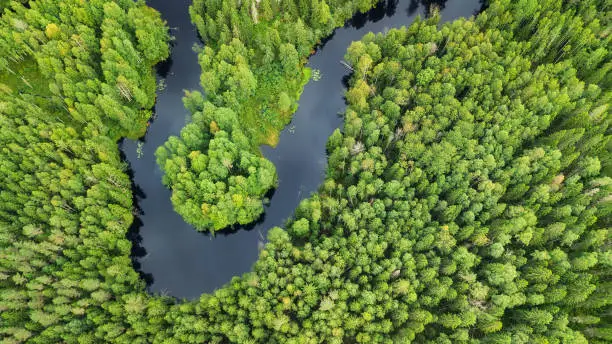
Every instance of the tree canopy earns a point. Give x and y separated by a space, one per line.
467 197
215 178
253 72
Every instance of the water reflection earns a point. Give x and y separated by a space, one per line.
171 256
385 8
138 251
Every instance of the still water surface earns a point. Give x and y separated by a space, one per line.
170 254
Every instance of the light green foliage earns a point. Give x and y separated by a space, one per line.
216 181
256 50
93 61
74 77
252 70
467 198
461 204
465 202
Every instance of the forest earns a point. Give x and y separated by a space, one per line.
467 197
252 69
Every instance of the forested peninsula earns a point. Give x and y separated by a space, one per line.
466 200
253 74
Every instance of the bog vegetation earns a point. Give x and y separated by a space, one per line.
467 197
252 73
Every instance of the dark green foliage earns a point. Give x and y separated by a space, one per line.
466 201
94 61
253 62
74 76
482 175
7 3
573 30
255 73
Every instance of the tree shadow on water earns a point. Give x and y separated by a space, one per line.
248 227
163 68
138 251
358 21
237 228
382 9
323 42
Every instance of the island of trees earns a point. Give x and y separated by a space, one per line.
467 197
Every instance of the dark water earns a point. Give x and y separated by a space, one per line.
170 254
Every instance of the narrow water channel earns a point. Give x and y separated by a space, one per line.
170 254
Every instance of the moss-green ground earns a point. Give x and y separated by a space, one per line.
263 123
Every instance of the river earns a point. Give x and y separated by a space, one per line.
171 256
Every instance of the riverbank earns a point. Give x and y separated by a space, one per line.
177 259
